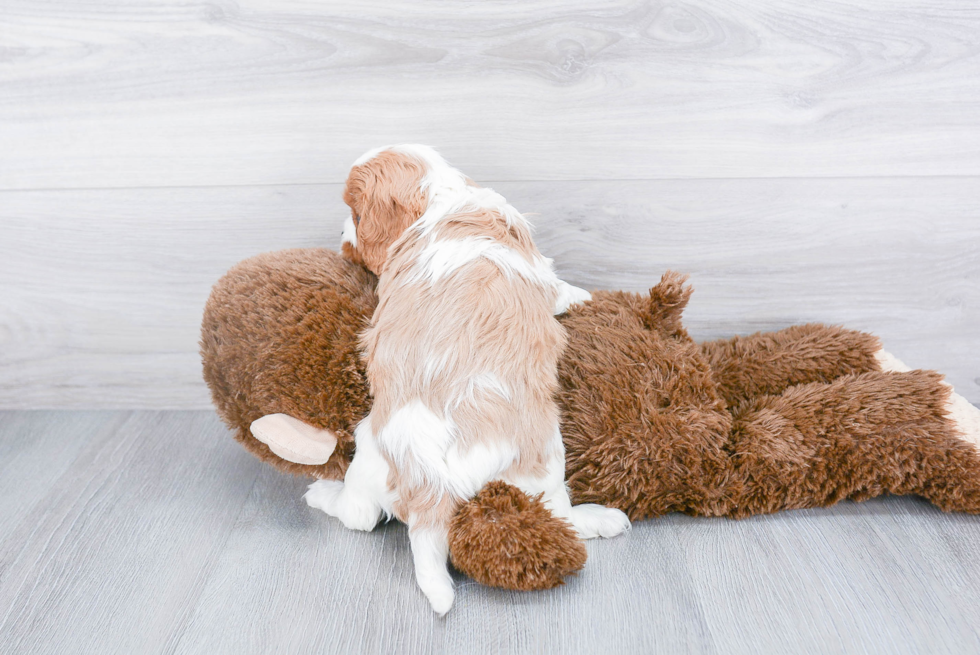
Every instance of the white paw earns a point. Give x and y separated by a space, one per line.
323 494
568 296
440 593
329 496
591 521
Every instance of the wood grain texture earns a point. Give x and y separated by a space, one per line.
111 556
154 532
165 93
103 290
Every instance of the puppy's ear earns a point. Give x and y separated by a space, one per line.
385 196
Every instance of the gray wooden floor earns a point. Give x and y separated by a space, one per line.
153 531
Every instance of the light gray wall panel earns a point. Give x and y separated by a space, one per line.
165 93
103 290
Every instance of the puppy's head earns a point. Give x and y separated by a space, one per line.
387 190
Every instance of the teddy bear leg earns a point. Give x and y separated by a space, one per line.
857 437
770 362
359 500
964 415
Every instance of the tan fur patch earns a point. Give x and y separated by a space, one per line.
477 325
385 197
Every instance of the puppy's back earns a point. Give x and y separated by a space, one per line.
464 340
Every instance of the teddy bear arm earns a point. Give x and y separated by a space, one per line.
771 362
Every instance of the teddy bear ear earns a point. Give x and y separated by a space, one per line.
667 302
294 440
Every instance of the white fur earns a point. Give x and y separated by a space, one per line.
440 259
371 154
350 233
478 465
889 363
426 445
966 417
416 438
360 499
483 382
430 550
568 296
446 198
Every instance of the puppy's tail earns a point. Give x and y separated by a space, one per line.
505 538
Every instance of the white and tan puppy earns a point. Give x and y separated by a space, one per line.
461 356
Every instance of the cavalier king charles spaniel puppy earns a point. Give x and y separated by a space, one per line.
461 357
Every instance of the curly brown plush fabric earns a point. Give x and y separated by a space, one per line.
279 335
503 538
643 424
802 417
857 437
769 363
652 422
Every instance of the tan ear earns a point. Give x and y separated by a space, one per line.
386 195
294 440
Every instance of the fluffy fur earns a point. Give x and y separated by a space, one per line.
803 417
652 422
461 355
504 538
279 335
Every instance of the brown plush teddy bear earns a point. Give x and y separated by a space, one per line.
652 421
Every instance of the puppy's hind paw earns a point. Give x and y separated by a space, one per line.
591 521
323 495
440 594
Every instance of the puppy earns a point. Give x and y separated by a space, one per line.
461 355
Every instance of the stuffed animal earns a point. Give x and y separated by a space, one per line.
652 422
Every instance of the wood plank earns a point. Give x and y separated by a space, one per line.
36 449
165 93
103 290
834 581
301 582
162 535
113 556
